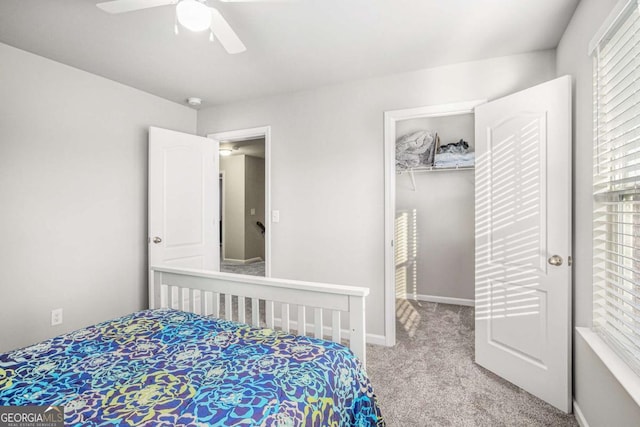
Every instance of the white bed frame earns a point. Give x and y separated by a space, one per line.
199 292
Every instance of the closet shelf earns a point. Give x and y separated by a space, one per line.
422 169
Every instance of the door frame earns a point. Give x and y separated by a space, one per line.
221 184
253 133
390 120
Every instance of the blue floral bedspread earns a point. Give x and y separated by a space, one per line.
170 368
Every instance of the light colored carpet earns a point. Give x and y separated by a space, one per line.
254 269
429 377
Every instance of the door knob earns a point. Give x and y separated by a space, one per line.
555 260
158 240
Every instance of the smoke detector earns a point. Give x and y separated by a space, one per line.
194 102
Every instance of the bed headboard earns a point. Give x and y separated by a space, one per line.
258 300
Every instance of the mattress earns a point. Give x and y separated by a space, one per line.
167 367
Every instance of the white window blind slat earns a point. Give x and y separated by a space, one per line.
629 321
607 261
618 57
616 187
620 155
604 254
614 212
615 196
624 237
623 84
626 347
621 125
618 281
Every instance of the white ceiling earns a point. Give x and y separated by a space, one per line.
291 45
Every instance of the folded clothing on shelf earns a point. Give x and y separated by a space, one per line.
460 147
414 149
452 160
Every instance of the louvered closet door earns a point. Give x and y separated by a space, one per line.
523 238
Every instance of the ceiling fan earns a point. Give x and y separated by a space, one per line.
194 15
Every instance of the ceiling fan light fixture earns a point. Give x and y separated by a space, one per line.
194 15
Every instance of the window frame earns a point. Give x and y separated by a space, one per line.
616 312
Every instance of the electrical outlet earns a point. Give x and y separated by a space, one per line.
56 317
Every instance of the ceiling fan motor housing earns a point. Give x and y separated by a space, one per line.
194 14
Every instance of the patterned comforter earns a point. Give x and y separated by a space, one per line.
170 368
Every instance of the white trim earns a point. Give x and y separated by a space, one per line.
626 376
243 135
223 201
444 300
609 24
577 413
206 276
390 119
376 339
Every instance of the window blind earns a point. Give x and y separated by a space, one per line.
616 185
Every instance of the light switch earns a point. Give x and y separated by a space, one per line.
275 216
253 211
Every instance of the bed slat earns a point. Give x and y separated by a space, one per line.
184 299
175 297
302 320
216 304
241 310
317 323
255 312
205 307
155 294
336 333
285 318
228 307
195 298
269 314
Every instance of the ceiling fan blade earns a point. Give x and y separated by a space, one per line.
223 32
122 6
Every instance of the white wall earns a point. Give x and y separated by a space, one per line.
243 190
327 162
73 195
600 397
254 198
233 206
442 209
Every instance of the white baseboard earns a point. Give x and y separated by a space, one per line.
241 261
577 412
376 339
443 300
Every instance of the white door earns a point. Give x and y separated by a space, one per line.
183 200
523 240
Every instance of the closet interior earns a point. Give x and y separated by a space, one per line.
434 216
